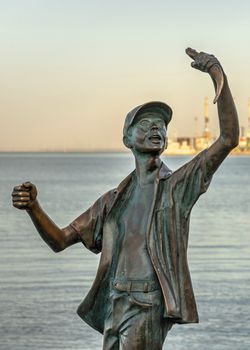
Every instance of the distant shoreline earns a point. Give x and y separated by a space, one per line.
234 153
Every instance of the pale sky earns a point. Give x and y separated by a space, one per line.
70 70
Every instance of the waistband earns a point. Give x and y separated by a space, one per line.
135 286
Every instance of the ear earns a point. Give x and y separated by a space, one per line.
127 142
166 143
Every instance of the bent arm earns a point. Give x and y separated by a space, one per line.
228 119
229 130
24 197
87 228
57 239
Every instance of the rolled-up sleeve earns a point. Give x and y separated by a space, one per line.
89 225
192 181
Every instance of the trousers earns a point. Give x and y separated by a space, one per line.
135 321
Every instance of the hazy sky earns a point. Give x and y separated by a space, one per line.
71 70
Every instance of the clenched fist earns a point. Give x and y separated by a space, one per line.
24 196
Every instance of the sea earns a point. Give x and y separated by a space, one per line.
40 290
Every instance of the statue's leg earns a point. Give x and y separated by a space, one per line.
110 342
117 301
144 328
135 322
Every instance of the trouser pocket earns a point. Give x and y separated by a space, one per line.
135 301
145 299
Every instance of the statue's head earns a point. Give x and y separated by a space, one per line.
145 128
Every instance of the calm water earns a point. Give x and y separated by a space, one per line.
40 290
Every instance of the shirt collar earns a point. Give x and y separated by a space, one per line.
164 173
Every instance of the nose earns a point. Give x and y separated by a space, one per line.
154 126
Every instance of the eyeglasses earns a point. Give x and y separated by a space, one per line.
146 124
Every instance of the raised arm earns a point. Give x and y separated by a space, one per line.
228 119
25 197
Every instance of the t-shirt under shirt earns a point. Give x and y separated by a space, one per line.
134 262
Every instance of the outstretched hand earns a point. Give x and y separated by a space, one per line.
202 60
210 64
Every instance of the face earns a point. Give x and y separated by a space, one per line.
148 134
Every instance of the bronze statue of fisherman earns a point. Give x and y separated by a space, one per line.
143 286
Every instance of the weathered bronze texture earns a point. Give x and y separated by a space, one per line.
143 286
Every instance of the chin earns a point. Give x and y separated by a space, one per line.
152 150
156 148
